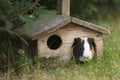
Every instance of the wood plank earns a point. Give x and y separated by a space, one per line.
63 7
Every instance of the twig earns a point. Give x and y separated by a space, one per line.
25 10
30 8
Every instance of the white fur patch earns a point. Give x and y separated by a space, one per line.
87 54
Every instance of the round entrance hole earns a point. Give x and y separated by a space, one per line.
54 42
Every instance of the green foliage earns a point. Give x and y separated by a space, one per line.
83 8
9 58
28 26
49 63
16 13
50 4
10 12
12 16
89 9
42 12
86 9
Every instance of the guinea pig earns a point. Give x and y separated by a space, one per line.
84 49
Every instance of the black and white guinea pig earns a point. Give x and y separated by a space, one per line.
84 49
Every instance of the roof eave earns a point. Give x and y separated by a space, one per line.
90 25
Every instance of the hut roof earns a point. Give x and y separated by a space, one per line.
47 26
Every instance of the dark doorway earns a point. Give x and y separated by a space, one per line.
54 42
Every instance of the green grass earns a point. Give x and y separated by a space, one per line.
107 68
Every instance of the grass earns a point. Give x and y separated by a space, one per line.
107 68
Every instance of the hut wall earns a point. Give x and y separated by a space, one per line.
67 34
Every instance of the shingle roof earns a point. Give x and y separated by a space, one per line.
47 26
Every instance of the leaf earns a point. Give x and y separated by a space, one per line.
8 25
14 34
42 12
28 26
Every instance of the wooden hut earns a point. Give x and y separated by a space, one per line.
55 35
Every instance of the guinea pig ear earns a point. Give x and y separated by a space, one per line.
79 39
91 40
74 42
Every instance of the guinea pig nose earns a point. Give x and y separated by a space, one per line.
86 57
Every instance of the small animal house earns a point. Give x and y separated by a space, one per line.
55 36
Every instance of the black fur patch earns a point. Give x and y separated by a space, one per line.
77 48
